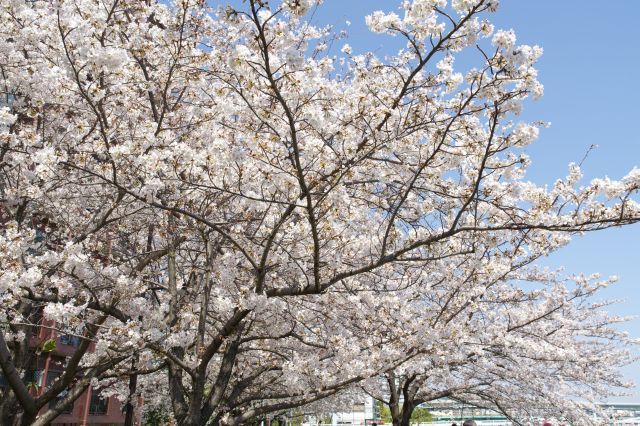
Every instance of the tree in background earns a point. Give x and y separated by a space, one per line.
243 220
419 415
547 351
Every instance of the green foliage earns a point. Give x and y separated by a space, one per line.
419 415
157 416
49 345
32 386
297 418
385 413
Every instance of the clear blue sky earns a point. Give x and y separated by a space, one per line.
591 72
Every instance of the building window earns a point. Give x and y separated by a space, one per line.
33 378
98 406
52 376
68 409
74 341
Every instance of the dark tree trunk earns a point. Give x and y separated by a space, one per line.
394 400
27 420
17 357
402 403
128 417
407 412
9 409
401 416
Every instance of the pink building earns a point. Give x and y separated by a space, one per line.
45 367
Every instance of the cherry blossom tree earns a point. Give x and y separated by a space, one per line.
544 352
219 207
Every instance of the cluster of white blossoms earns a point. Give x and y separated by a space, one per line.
504 39
226 212
380 22
525 133
6 119
299 7
447 75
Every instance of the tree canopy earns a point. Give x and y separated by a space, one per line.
220 207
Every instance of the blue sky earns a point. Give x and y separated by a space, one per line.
591 74
590 70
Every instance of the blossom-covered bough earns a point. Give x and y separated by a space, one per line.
543 351
229 215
